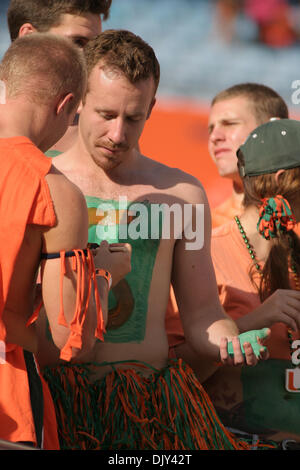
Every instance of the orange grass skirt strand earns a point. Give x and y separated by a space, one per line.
167 410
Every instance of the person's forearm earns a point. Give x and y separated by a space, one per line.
254 320
205 334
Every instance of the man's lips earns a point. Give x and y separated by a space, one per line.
110 149
219 152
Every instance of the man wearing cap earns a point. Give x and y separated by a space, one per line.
257 265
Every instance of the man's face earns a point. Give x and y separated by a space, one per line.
113 116
79 28
230 122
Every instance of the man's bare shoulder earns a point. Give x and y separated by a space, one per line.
173 180
71 212
62 188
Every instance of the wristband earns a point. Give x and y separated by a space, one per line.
105 274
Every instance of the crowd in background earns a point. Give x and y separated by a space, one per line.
276 22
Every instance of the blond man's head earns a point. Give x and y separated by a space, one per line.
43 67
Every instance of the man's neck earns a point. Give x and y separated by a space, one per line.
237 194
67 140
13 123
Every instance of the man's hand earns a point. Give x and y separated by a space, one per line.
115 258
247 348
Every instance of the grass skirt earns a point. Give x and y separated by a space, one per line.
167 410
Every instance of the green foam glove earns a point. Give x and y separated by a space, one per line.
250 337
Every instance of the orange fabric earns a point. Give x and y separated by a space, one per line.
25 198
76 325
16 422
225 212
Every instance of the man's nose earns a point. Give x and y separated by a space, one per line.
216 134
117 131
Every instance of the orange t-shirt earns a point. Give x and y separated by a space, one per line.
25 199
225 212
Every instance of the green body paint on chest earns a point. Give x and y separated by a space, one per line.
116 222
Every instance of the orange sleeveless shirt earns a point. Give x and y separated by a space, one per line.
24 199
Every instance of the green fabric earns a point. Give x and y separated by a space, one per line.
268 406
271 147
250 337
52 153
133 292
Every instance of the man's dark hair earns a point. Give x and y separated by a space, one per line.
123 51
44 14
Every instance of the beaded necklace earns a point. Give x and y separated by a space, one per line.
249 247
292 375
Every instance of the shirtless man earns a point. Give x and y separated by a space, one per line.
35 111
123 189
78 20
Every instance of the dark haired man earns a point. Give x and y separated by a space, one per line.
78 20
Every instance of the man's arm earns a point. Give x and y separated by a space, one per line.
204 321
71 232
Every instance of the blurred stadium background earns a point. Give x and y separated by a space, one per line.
203 47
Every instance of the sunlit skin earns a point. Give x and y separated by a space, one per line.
113 117
230 122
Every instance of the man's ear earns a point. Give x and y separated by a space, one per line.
151 107
26 28
63 103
